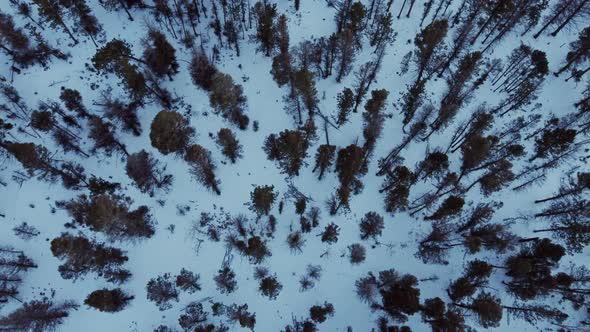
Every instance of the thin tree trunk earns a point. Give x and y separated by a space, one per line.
569 18
536 35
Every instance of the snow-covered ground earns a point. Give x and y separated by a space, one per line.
170 251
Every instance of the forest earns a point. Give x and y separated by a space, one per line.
294 166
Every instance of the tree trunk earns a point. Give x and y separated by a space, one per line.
552 19
569 18
125 9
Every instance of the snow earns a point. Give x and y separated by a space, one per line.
169 252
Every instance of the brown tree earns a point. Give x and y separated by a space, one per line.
108 300
202 167
170 132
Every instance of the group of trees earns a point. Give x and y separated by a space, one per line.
225 96
483 154
163 289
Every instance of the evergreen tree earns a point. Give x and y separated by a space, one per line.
170 132
108 300
579 54
103 135
330 233
146 172
52 11
289 149
162 290
345 104
261 199
188 281
111 214
13 266
371 226
228 98
35 315
400 297
159 55
319 313
356 253
266 33
427 57
270 287
226 280
324 158
81 256
241 315
202 71
487 308
230 146
202 167
21 49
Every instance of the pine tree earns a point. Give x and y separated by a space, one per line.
72 100
373 122
14 264
345 56
488 309
457 94
188 281
80 10
295 241
159 55
345 104
324 158
192 315
37 162
427 57
330 233
241 315
266 32
103 135
146 172
553 142
400 297
230 146
441 318
371 226
111 214
319 313
81 256
108 300
289 149
170 132
356 253
270 287
453 205
162 290
21 49
52 11
579 53
202 167
202 71
225 280
564 13
262 199
228 98
124 4
114 57
35 315
475 277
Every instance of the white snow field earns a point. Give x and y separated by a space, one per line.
33 201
